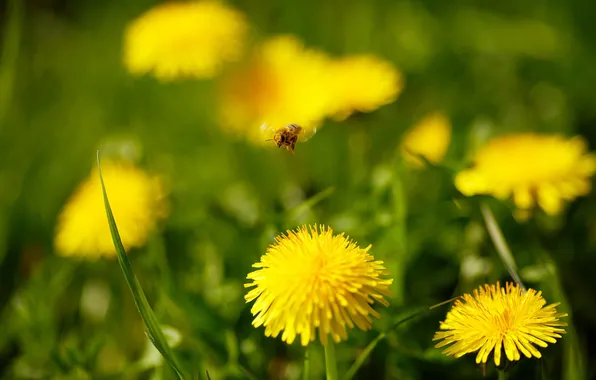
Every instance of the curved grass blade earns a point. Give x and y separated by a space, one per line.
500 243
310 202
371 346
153 329
9 55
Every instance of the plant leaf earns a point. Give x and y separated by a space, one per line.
154 331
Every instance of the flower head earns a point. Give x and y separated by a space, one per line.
137 201
363 83
283 84
184 39
309 280
429 138
542 169
497 319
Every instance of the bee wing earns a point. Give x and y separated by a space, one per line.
267 130
306 134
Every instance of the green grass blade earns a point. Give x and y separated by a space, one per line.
9 55
363 356
575 360
153 328
310 203
371 346
500 243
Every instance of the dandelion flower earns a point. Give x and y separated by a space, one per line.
429 138
284 83
137 201
184 39
309 280
534 169
497 319
363 83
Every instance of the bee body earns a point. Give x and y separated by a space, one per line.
287 136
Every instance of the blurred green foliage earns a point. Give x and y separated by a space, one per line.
492 67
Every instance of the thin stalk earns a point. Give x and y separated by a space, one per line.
498 239
398 194
310 203
371 346
9 55
306 368
363 356
575 361
502 375
330 362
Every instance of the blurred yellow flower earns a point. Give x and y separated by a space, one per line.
137 201
430 138
542 169
363 83
284 83
500 319
184 39
309 280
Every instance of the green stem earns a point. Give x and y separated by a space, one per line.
295 212
501 246
330 362
9 55
502 375
400 203
371 346
574 357
363 356
306 369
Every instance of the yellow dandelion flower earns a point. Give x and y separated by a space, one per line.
363 83
542 169
137 201
285 83
430 138
500 319
309 280
184 39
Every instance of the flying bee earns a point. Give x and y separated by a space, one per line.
288 136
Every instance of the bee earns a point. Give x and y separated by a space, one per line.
287 136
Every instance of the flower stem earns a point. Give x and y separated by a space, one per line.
502 375
501 246
306 369
330 362
9 55
400 203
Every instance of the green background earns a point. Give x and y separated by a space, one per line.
493 68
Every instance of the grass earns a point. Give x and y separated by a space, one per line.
64 94
152 325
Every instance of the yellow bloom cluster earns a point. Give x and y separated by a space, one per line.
284 83
184 39
497 319
311 280
362 83
137 201
534 169
428 138
281 83
287 83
